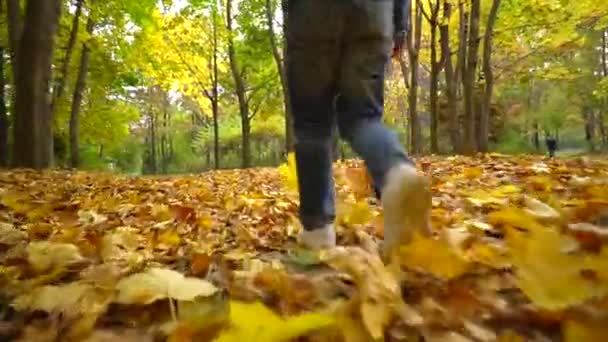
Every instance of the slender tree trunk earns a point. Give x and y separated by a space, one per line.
463 37
602 127
406 113
484 129
79 89
215 95
59 87
14 19
14 23
33 129
289 130
450 78
153 146
589 119
165 136
276 53
433 20
536 136
4 123
604 108
414 38
240 91
470 75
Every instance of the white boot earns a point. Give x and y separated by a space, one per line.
317 239
406 199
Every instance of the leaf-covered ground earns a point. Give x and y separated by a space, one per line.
519 253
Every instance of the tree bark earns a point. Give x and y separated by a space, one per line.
15 30
463 36
276 53
589 119
413 48
215 95
4 123
59 87
536 136
433 20
450 79
604 104
14 22
33 129
289 130
79 89
241 92
470 140
484 129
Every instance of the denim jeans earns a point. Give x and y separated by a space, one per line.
337 51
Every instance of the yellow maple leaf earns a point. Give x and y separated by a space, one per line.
255 322
157 283
551 278
435 256
514 217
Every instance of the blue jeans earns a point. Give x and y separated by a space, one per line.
337 51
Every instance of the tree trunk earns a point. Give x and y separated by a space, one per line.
153 147
4 123
450 79
79 89
413 48
536 136
276 53
604 104
215 95
289 130
463 36
14 20
240 91
33 129
15 30
589 119
484 129
433 20
59 87
470 140
602 127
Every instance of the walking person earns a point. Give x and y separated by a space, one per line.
551 143
337 51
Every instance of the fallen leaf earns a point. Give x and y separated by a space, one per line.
157 283
434 256
551 279
540 210
45 256
10 235
267 326
380 294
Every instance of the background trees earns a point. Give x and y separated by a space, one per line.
184 86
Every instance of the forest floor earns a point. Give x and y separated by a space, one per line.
519 253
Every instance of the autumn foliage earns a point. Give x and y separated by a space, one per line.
519 253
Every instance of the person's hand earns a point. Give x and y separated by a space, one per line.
398 44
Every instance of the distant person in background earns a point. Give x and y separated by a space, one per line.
337 52
551 143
